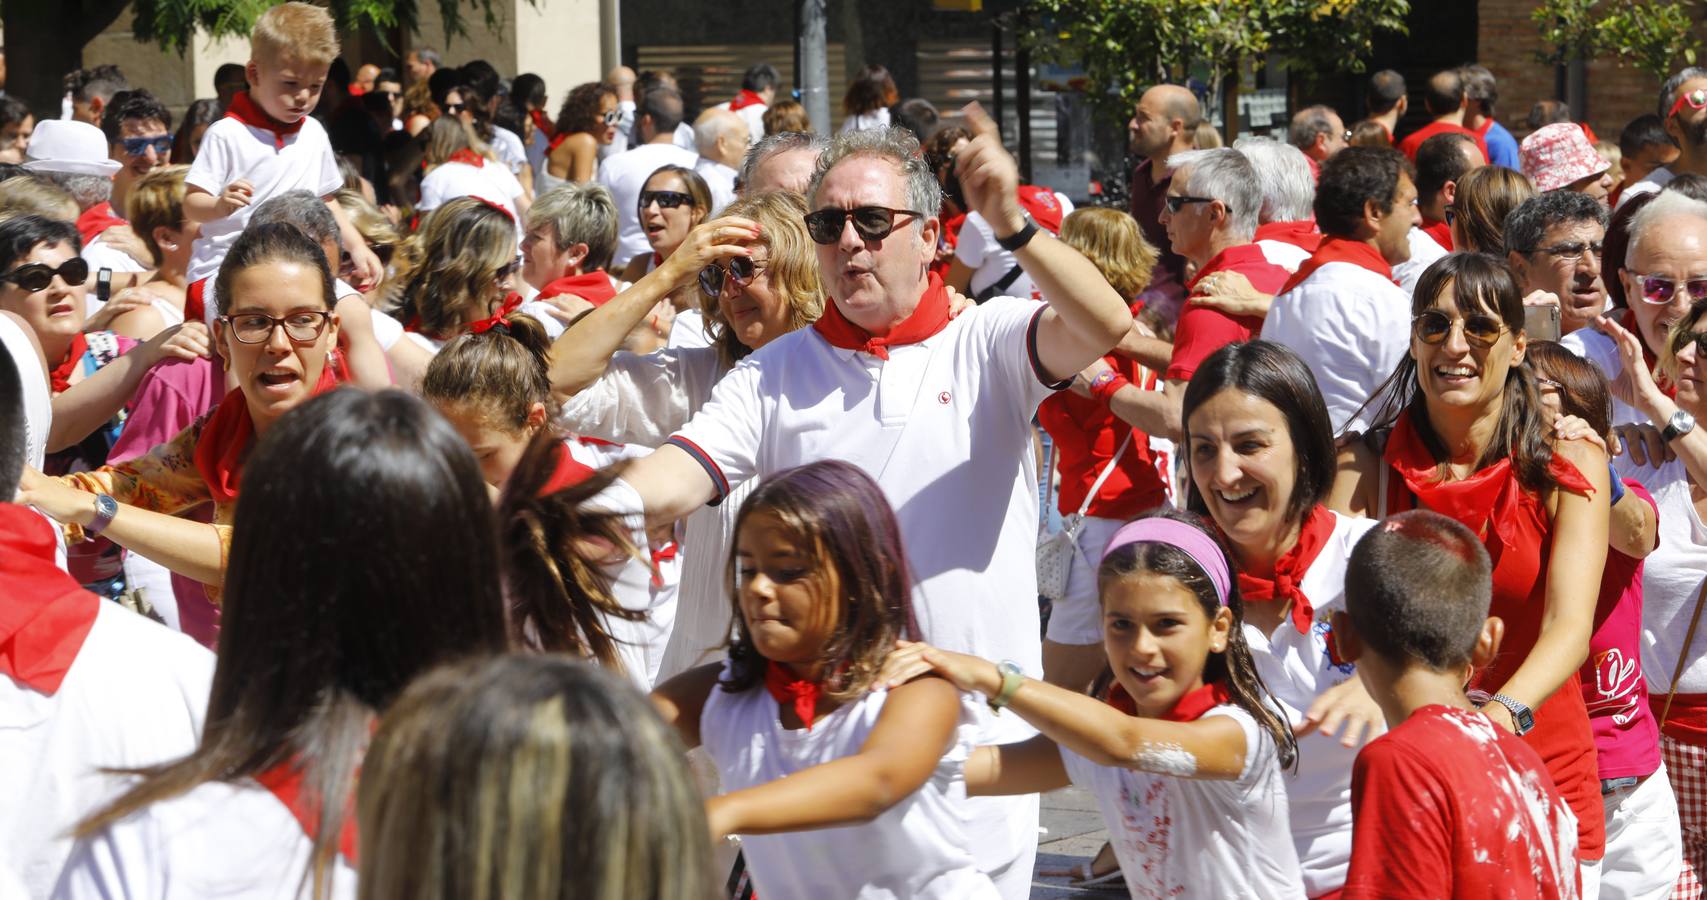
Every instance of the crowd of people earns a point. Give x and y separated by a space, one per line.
418 493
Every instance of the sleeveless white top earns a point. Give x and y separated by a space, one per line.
38 400
917 849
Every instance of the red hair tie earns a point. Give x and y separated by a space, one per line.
497 206
501 317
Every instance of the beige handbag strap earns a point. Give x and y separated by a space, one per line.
1683 655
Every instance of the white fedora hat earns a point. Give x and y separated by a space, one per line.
71 147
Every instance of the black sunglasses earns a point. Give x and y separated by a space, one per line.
1432 326
1178 202
136 146
714 277
507 269
455 108
871 223
665 199
37 276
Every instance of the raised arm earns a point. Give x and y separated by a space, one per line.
193 549
90 403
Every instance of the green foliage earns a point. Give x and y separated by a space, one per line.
173 23
1127 45
1655 36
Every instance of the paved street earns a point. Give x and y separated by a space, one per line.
1075 834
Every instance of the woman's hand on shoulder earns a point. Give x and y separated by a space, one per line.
1345 706
185 340
911 659
1572 428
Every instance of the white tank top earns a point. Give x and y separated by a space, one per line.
38 405
917 849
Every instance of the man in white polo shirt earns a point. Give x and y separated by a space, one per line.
1342 311
937 408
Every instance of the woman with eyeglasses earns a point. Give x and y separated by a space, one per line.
275 334
586 122
757 279
468 272
1460 429
457 164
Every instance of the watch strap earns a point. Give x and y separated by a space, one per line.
1013 242
1521 715
105 508
1012 678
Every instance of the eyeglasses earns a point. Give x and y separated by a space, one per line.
1177 202
303 327
1347 136
713 278
136 146
1547 384
455 108
871 223
1685 338
664 199
1659 290
613 117
508 269
1571 251
1697 99
1432 327
36 276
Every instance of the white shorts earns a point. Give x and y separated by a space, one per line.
1077 617
1644 848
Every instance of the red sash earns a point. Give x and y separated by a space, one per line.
544 125
468 158
1290 568
1337 249
247 111
96 219
225 439
593 287
61 374
1043 206
46 615
928 318
788 688
1442 234
285 781
1189 708
745 98
1301 234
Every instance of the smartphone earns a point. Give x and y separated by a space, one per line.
1541 323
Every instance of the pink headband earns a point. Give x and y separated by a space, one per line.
1188 539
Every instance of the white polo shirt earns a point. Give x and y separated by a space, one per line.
232 150
136 695
625 174
1351 325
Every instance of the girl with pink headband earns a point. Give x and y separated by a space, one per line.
1179 740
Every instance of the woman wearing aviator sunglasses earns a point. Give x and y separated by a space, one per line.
1460 429
275 334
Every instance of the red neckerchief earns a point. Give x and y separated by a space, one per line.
1247 259
195 304
1043 206
928 318
96 219
661 555
542 123
225 439
1289 570
745 98
250 113
1487 499
285 781
61 374
788 688
1188 708
47 614
567 473
1441 232
1301 234
593 287
484 325
558 139
468 158
1337 249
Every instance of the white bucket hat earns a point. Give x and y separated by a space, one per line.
68 146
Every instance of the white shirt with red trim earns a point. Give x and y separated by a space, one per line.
1351 325
1185 837
135 696
232 150
234 840
1297 668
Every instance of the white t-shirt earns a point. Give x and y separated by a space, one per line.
38 396
101 255
877 118
979 251
490 181
754 114
1670 581
1590 344
135 696
232 150
1654 183
721 179
1280 253
507 146
1425 251
1186 837
1351 325
625 174
1297 668
917 849
223 840
688 330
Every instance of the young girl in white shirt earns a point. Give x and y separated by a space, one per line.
1179 740
837 787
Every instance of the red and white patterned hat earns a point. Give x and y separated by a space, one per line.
1557 155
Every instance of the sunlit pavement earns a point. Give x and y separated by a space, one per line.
1075 835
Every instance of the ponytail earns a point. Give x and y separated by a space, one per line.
501 370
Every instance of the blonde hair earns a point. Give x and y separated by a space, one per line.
156 200
1110 239
792 268
1614 159
295 31
1206 136
27 195
462 246
529 778
380 234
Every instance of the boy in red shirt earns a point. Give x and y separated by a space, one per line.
1446 804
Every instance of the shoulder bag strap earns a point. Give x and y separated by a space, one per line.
1106 471
995 290
1683 655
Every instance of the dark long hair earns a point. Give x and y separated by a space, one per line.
1479 282
1583 391
836 510
1233 665
338 593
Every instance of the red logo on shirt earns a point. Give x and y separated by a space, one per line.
943 398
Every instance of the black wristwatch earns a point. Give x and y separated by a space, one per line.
1521 716
1013 242
1680 424
104 285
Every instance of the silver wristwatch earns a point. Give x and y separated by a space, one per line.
1680 424
1521 716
